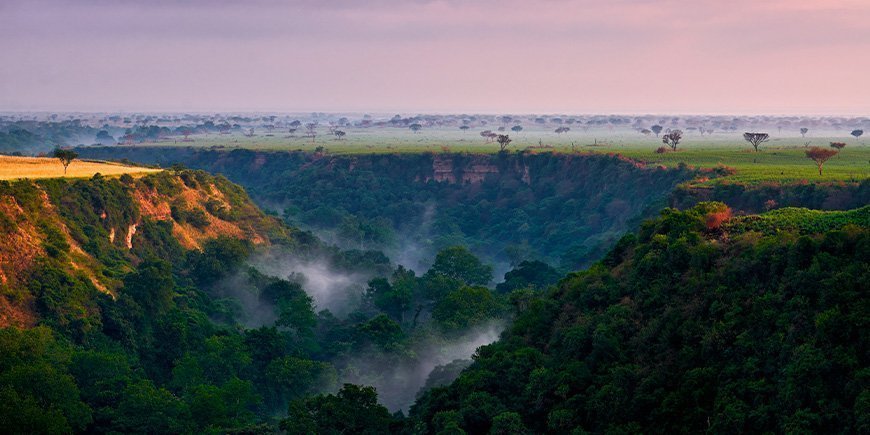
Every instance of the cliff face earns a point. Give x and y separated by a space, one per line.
93 228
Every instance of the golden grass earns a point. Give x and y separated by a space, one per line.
15 168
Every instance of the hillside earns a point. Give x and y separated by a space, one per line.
97 229
697 323
15 168
566 210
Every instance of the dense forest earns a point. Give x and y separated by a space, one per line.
159 337
211 316
565 210
694 324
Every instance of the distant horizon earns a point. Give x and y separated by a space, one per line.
4 112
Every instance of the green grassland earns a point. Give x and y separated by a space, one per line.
781 159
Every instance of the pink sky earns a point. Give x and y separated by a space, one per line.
496 56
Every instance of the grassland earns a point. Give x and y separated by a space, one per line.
781 159
15 168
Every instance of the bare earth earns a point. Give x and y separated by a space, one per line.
14 168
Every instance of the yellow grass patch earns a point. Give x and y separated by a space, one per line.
14 168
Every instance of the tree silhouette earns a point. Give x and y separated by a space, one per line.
65 156
804 131
657 129
756 139
415 127
672 138
517 128
339 134
857 133
820 156
503 141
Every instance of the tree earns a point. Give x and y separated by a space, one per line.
646 132
838 145
466 307
756 139
486 135
517 128
656 129
354 409
458 262
415 127
804 131
672 138
857 133
820 156
311 129
339 134
464 128
503 141
65 156
561 130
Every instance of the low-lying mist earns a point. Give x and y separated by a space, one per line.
400 384
332 289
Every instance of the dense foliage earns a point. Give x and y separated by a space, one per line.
564 209
680 329
196 340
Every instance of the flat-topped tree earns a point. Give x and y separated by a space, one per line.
415 127
657 129
820 156
838 146
65 156
804 131
857 133
672 138
756 139
517 128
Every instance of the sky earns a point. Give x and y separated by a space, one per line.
439 56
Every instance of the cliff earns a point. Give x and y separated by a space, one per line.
97 229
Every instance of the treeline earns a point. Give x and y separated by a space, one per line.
564 209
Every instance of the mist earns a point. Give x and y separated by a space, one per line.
400 384
331 289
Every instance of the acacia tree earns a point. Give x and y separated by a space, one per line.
339 134
311 128
503 141
65 156
672 138
820 156
756 139
657 129
804 131
464 128
486 135
517 128
415 127
857 133
838 146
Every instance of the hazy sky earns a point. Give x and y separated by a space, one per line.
496 56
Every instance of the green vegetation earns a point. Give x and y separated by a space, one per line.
698 322
511 207
781 159
800 220
679 331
